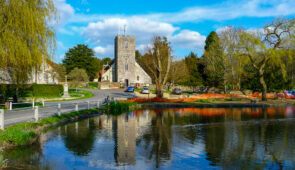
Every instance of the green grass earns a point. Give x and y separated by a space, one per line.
80 94
23 133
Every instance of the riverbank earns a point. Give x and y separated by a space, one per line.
27 133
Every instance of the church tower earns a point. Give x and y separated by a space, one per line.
125 59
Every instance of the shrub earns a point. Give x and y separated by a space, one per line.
93 84
45 90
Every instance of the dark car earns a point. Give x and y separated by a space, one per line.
177 91
130 89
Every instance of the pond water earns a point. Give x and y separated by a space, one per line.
188 138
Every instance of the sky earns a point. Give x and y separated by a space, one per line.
185 23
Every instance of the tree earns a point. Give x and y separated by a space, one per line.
27 36
77 77
193 65
179 73
82 57
266 48
213 59
158 62
60 69
233 61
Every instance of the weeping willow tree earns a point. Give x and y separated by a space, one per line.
27 37
268 48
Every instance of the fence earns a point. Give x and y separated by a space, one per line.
35 113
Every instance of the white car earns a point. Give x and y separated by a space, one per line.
145 90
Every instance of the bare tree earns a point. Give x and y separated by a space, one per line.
157 61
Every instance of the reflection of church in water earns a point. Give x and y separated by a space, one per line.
125 129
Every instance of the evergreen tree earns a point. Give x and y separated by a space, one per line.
213 60
82 57
193 65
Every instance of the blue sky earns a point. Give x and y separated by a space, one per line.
186 23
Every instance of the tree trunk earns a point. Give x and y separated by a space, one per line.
159 91
264 87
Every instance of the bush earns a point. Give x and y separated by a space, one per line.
45 90
93 84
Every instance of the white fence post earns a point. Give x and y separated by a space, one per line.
10 105
76 107
36 113
88 105
33 104
2 119
43 103
59 109
98 104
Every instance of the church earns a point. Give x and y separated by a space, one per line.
124 68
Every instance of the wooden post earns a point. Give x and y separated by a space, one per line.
76 107
88 105
98 104
2 119
43 103
33 104
59 109
36 113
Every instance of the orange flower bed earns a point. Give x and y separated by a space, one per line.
199 97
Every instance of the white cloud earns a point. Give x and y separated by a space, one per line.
103 32
60 45
64 11
188 39
106 51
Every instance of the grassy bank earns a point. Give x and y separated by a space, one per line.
27 133
116 108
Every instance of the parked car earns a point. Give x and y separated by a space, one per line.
145 90
177 91
130 89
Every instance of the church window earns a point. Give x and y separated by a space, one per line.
126 67
126 44
107 77
137 78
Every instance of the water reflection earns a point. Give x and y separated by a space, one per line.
227 138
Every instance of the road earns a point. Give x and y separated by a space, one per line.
51 108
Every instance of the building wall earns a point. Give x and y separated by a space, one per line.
109 75
141 76
46 75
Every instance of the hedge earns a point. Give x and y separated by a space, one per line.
46 90
30 90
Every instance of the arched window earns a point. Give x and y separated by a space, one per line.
126 67
107 77
137 78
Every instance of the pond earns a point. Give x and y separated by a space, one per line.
187 138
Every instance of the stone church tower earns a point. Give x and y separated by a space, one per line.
124 68
125 59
